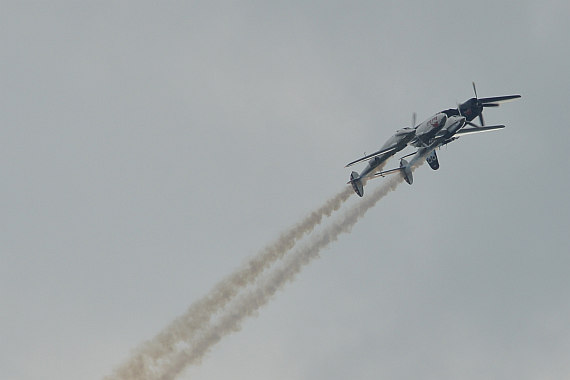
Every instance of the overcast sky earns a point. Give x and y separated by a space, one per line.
148 150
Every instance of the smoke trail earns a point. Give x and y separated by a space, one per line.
146 358
249 303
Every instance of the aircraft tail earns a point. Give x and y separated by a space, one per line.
432 160
406 171
356 183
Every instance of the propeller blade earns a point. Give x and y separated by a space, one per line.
413 120
490 104
481 119
474 89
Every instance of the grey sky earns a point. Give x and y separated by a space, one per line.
149 150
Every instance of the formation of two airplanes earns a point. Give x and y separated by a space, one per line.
439 130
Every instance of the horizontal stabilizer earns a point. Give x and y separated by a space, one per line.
405 170
387 172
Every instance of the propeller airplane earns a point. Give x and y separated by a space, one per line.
441 129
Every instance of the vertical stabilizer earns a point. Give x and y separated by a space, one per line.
406 171
432 160
356 183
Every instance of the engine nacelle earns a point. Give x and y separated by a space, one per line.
406 171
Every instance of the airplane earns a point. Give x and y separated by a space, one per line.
458 118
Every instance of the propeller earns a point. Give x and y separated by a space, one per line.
479 105
495 101
414 120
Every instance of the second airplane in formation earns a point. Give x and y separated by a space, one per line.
438 130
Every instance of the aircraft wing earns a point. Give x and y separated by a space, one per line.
496 100
393 148
472 130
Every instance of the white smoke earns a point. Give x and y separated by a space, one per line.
248 304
